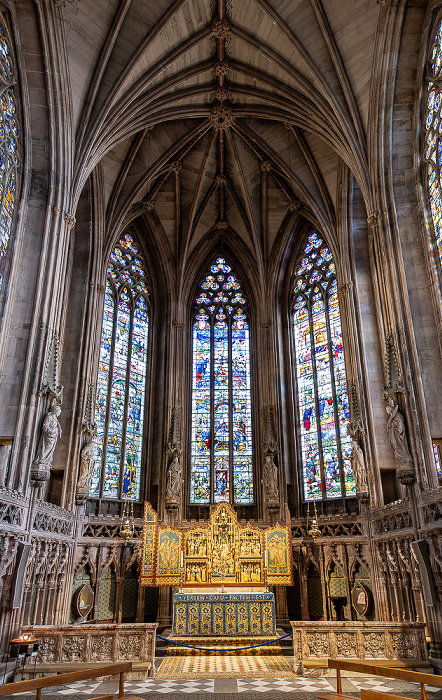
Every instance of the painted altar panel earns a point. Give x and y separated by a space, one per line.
223 614
278 548
167 569
147 572
221 551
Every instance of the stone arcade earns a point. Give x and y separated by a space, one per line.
220 283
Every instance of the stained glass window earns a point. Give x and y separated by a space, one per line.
221 433
9 149
433 137
119 412
320 369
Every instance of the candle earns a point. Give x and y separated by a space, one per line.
182 558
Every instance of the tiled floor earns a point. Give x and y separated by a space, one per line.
217 666
302 686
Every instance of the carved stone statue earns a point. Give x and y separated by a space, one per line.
357 462
398 436
399 443
87 463
174 481
270 479
50 432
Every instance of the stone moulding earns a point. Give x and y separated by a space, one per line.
97 643
315 642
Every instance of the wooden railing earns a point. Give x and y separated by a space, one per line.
63 678
402 675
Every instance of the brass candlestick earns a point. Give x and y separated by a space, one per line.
181 578
266 583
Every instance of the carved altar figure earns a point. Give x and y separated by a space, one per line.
50 432
398 436
358 467
174 481
270 478
87 463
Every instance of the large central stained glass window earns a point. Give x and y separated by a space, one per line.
320 369
221 433
121 382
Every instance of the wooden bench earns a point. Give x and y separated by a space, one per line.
364 667
376 695
64 678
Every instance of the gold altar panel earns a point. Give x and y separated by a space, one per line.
168 556
278 548
147 577
221 551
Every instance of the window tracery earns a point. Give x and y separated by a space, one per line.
9 151
120 402
221 432
433 138
320 368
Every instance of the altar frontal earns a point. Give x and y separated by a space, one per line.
219 553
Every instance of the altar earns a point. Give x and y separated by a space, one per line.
224 614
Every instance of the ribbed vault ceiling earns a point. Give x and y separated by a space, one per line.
226 114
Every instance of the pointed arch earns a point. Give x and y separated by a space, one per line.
122 375
320 374
221 414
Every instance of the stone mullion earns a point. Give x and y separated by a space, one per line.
90 347
390 307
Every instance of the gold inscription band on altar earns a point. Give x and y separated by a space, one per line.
209 555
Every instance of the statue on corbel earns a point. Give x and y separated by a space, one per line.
270 477
50 433
357 459
88 455
396 429
174 479
50 429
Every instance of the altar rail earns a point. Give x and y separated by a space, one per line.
316 642
75 644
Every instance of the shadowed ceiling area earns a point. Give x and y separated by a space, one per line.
230 115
